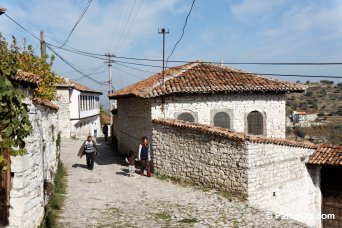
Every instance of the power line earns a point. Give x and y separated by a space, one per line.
126 72
134 68
22 27
73 67
94 55
186 22
78 21
116 25
124 30
131 25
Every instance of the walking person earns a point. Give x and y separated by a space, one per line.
131 163
105 131
144 156
90 149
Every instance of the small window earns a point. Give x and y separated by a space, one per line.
255 122
221 119
185 116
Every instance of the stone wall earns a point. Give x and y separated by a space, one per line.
270 174
132 122
236 105
27 198
208 160
280 181
84 127
63 101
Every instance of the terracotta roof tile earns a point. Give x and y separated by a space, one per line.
76 85
200 77
45 103
327 155
27 77
224 132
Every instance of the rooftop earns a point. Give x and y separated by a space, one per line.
77 86
327 155
201 77
224 132
27 77
45 103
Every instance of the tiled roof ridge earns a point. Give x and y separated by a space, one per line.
171 75
238 136
28 77
326 154
45 103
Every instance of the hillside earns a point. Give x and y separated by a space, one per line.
325 99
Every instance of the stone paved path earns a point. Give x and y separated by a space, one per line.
107 197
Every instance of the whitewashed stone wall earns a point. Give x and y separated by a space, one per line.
271 177
133 122
208 160
84 127
27 198
63 102
237 105
280 181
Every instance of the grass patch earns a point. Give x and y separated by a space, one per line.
115 211
163 216
56 201
188 220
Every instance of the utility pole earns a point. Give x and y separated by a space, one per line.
109 64
163 31
42 45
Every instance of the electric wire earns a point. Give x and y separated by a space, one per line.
78 21
183 31
124 30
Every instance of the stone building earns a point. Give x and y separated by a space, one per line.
202 93
30 172
225 128
79 114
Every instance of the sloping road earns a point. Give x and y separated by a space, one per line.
107 197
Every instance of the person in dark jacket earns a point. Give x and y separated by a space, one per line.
131 163
90 150
144 156
105 131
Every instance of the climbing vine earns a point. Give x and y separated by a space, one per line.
14 114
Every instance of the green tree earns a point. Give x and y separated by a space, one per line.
14 117
29 62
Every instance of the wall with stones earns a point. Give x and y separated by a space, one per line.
63 102
30 171
211 161
133 122
280 181
204 106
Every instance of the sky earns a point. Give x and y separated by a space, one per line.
217 30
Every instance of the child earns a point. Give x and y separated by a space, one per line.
131 163
144 156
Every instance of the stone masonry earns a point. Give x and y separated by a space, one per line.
30 171
134 116
271 176
208 160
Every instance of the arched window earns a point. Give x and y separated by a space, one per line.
186 117
221 119
255 122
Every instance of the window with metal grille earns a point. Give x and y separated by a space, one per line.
186 117
255 122
222 119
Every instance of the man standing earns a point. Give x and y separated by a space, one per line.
105 131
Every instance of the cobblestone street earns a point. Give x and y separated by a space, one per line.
107 197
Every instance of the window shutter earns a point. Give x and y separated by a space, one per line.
186 117
255 123
221 119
